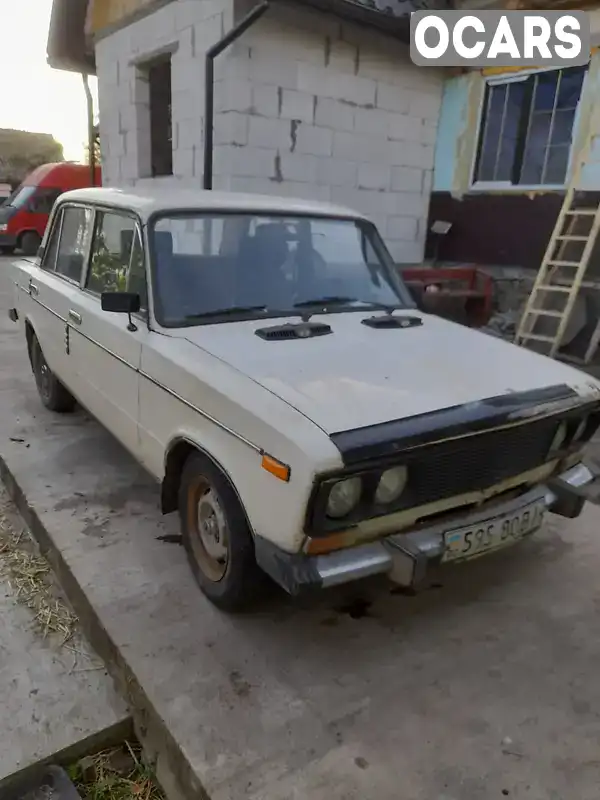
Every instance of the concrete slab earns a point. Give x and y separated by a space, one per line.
57 702
486 687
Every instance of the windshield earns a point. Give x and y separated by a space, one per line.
248 266
20 196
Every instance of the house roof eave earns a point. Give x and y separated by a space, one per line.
68 48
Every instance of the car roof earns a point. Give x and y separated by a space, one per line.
147 201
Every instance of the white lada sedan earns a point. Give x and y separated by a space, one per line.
262 359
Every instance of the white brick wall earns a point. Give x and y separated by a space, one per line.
339 115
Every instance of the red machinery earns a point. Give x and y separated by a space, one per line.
462 294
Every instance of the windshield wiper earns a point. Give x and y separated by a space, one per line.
230 310
340 301
329 301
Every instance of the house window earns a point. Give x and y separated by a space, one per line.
527 128
161 137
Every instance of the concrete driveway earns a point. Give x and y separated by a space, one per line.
484 687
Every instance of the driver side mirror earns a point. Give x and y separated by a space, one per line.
120 302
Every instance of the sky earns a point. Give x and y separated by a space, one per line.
35 97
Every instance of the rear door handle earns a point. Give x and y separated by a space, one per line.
74 317
33 289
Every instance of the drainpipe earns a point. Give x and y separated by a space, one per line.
209 104
91 131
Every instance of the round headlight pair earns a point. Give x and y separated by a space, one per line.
391 485
345 495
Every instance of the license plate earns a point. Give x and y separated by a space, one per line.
493 534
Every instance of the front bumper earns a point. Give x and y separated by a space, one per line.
406 557
7 240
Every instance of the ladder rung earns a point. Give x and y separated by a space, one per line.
542 312
564 263
537 337
584 212
546 288
571 238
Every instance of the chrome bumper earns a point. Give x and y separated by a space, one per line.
406 556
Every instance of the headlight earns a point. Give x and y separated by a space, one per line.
391 485
580 429
559 437
343 496
3 228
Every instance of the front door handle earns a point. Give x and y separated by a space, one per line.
74 317
33 289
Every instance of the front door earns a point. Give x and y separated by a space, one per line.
108 345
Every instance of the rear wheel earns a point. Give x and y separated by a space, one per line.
30 243
217 538
52 393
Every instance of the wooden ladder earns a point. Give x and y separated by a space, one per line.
561 279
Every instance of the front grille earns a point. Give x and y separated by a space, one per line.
476 462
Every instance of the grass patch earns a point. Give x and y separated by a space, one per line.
116 774
30 578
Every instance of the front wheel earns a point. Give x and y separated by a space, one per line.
52 393
217 538
30 243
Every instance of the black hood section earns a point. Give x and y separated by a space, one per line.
6 212
391 438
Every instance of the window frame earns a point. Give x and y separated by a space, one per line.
161 152
59 211
142 314
507 186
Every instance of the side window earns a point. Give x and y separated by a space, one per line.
51 248
117 263
43 200
74 241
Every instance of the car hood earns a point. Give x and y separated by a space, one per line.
359 376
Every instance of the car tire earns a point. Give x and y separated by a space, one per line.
217 537
53 394
30 243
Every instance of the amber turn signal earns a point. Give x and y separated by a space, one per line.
276 468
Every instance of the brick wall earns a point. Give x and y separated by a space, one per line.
340 114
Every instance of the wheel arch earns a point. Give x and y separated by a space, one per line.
30 335
178 451
24 231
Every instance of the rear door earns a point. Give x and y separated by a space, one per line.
54 284
108 347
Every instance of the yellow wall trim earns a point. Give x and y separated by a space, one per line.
503 70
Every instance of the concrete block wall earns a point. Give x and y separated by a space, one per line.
313 107
305 106
186 29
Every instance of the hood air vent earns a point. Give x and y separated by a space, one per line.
390 321
302 330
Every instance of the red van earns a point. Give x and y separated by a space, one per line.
24 215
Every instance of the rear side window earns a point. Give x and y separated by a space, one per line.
49 260
74 242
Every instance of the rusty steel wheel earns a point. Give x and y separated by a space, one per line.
208 530
51 391
217 537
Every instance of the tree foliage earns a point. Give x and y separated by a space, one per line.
23 151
